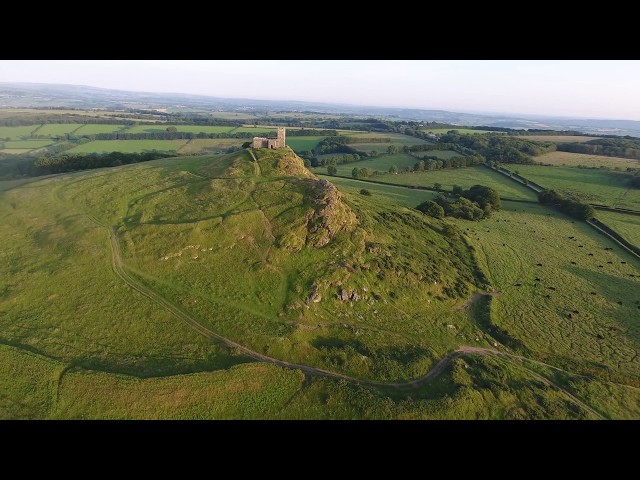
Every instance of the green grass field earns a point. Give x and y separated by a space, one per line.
27 144
199 145
227 241
461 131
15 151
57 129
300 144
92 129
569 159
128 146
181 128
14 133
465 177
594 186
381 163
560 138
626 225
258 130
389 194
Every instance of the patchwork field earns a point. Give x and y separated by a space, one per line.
575 159
302 143
199 145
626 225
128 146
464 177
381 163
92 129
56 129
461 131
560 138
594 186
180 128
27 144
14 133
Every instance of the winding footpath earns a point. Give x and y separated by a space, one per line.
119 270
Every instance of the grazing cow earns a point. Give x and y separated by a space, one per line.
539 264
580 246
537 280
518 285
610 262
619 302
600 266
573 263
576 312
590 254
593 293
551 288
623 263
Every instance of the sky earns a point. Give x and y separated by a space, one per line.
573 88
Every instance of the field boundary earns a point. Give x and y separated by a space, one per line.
594 222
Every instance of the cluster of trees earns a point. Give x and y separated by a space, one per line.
336 145
341 159
635 181
612 147
475 203
573 208
69 163
501 148
435 163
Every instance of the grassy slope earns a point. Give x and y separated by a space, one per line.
57 264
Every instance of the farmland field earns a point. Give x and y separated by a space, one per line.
300 144
461 131
197 145
559 138
15 151
443 154
574 159
258 131
626 225
128 146
181 128
13 133
92 129
382 163
27 144
465 177
593 186
57 129
406 197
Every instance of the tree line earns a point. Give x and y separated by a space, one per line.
70 163
610 147
475 203
573 208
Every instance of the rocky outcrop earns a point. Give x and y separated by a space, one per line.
330 214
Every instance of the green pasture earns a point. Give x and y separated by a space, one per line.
128 146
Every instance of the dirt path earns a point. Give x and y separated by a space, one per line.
431 374
256 164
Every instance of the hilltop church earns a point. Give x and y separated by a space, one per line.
270 142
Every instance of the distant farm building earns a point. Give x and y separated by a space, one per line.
270 142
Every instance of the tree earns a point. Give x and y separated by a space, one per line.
457 190
393 169
437 186
247 144
365 192
373 153
172 129
355 173
332 170
419 166
431 208
392 149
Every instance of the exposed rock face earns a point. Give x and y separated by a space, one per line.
330 214
315 296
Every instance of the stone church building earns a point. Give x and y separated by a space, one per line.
270 142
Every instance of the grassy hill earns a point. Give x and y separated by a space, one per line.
243 286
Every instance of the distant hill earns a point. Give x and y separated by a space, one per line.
36 95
